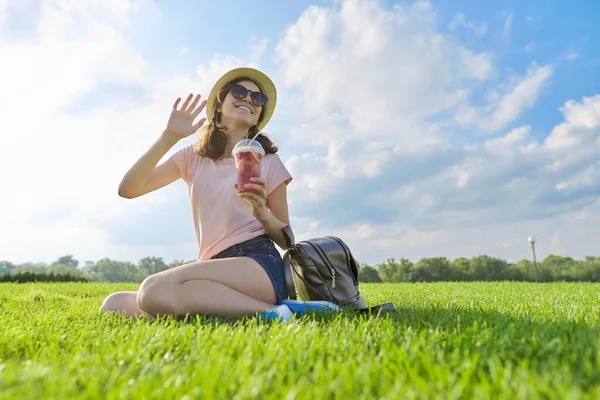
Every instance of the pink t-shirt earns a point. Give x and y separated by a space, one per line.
221 218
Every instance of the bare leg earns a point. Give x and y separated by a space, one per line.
201 297
124 303
232 286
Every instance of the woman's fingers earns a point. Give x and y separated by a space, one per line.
200 108
259 188
253 197
198 125
259 181
191 107
187 101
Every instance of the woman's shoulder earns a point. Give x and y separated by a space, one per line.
191 151
189 155
188 150
272 160
271 157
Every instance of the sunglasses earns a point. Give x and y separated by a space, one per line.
240 92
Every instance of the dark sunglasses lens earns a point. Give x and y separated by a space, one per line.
258 98
238 91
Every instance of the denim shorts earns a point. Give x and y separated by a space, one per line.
262 250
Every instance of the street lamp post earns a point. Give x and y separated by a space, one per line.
532 241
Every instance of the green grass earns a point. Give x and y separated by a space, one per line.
446 340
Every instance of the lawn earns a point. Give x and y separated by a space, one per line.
446 340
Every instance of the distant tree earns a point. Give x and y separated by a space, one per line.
31 267
116 271
587 270
407 268
90 271
177 263
460 269
151 265
392 271
23 277
6 267
591 267
523 270
64 269
485 268
67 260
556 267
367 273
432 269
480 268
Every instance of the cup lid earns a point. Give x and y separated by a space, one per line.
248 145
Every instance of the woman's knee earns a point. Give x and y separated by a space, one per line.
153 294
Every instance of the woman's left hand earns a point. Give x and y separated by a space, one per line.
258 200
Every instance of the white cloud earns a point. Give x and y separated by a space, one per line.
507 26
377 159
458 21
520 96
580 129
384 161
382 70
258 48
62 174
65 166
572 56
573 234
562 235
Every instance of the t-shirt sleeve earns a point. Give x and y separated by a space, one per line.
183 158
277 174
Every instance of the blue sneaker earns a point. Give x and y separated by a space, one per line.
281 313
303 307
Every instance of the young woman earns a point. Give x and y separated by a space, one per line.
239 270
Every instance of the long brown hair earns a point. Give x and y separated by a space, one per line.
213 142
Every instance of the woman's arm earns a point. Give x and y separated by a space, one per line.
274 221
144 176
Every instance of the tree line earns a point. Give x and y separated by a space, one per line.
104 270
480 268
24 277
483 268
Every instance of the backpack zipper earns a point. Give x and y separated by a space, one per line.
348 256
325 261
333 278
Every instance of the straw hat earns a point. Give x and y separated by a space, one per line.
264 83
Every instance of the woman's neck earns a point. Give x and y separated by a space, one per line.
235 133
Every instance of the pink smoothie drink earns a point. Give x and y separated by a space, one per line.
248 162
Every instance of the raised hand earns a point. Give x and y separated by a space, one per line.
181 122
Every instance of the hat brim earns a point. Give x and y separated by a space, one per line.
264 83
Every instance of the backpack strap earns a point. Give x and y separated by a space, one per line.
290 288
288 278
288 234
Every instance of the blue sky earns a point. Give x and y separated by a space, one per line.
412 129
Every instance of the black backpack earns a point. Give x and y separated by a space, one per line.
323 269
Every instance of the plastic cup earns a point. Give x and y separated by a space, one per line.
248 155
